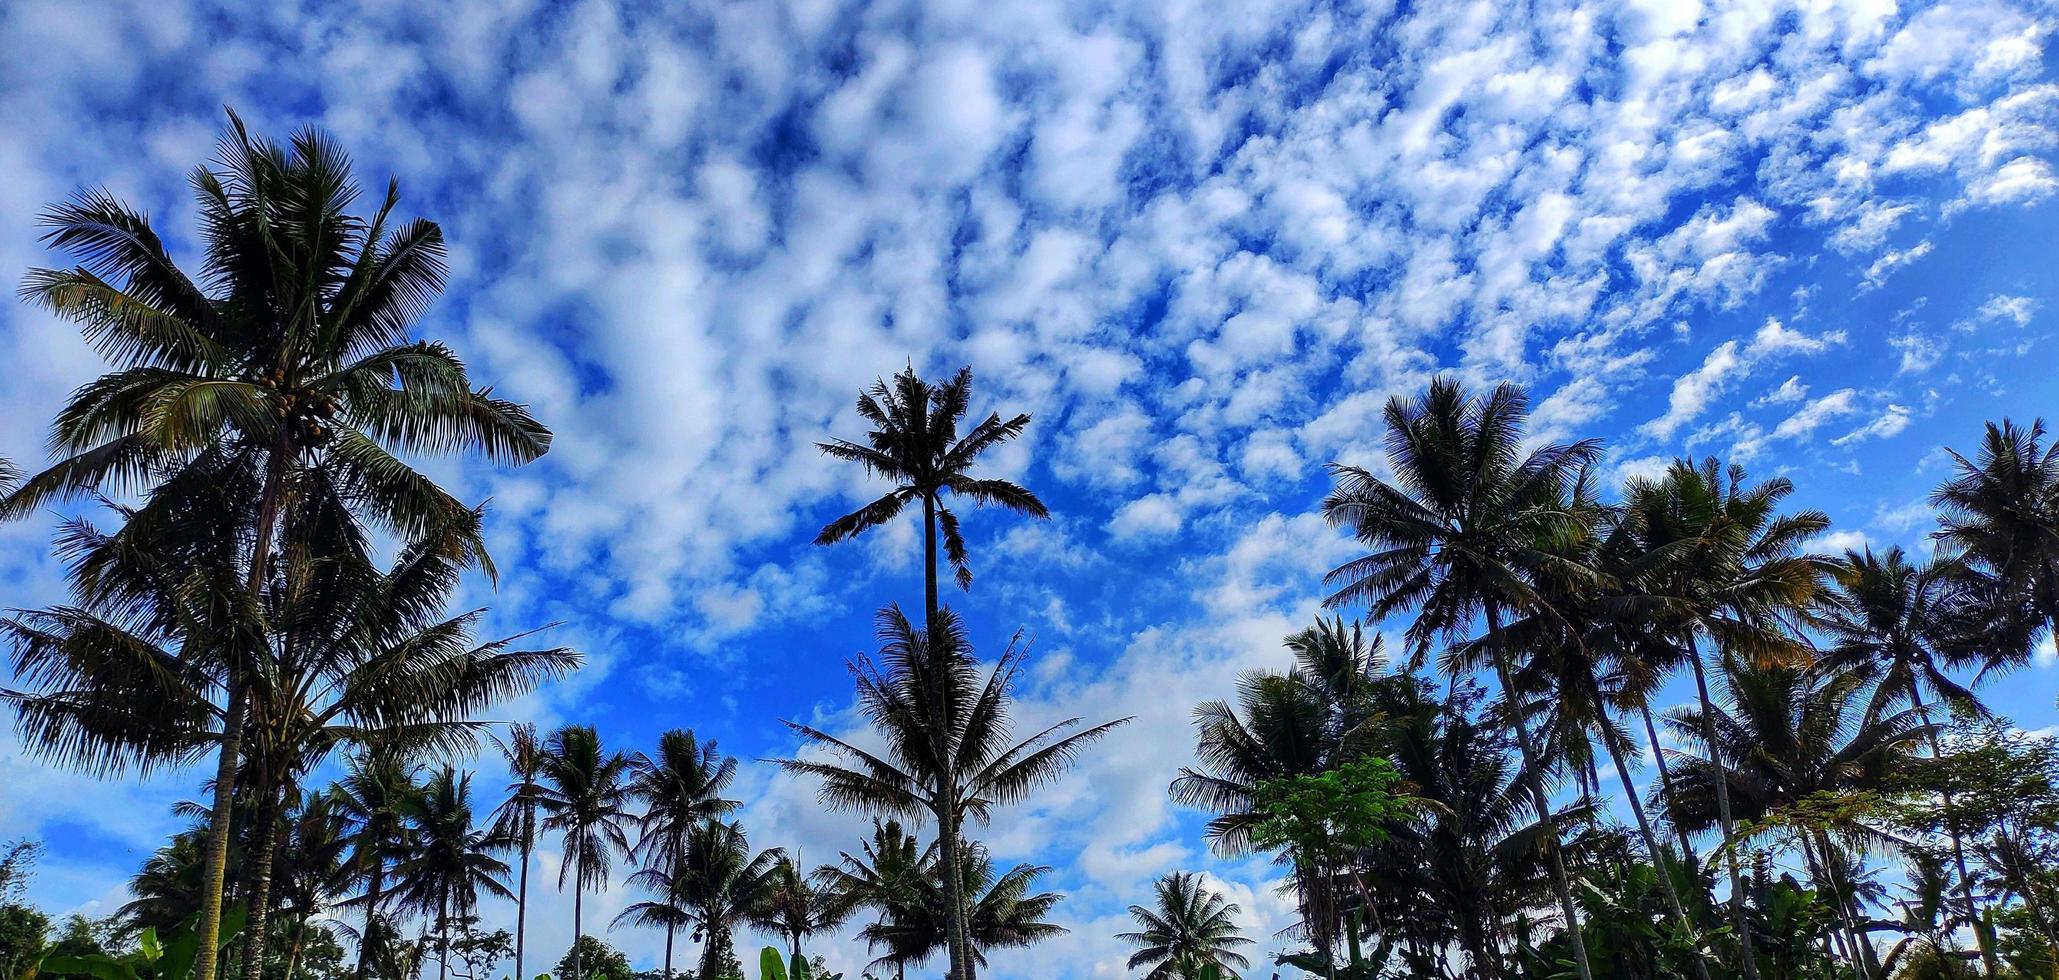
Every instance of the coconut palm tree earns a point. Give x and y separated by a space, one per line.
914 443
314 869
681 788
1004 913
450 864
886 877
1190 928
718 883
288 360
795 907
373 798
1998 516
1734 578
665 911
1903 626
585 796
950 753
514 821
1462 534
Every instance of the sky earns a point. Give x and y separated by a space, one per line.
1201 244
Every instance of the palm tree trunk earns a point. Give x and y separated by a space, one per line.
370 940
1651 847
1658 758
954 895
1534 774
1737 910
947 828
293 951
1988 959
796 941
669 928
521 906
1846 936
443 938
578 895
258 924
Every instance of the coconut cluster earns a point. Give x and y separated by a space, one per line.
309 414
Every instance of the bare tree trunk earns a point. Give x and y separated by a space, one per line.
521 905
578 896
669 928
207 941
1846 932
370 940
293 951
1658 758
947 824
1737 910
1988 960
1535 777
1651 847
258 923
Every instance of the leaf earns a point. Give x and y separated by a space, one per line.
101 967
770 966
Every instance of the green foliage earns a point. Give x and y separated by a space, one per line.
170 958
599 960
24 936
1330 813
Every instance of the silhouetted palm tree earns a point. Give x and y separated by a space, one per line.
449 864
373 797
585 796
886 877
514 821
314 868
795 907
718 882
949 751
1462 533
289 362
681 788
1998 516
1189 928
1004 912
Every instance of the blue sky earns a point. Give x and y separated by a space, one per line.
1201 243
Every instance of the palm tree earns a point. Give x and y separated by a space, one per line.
288 361
1903 626
949 750
667 911
718 883
514 821
1191 928
585 795
1999 517
795 907
914 442
1734 575
885 877
314 868
167 889
681 788
373 798
1004 912
1463 533
450 863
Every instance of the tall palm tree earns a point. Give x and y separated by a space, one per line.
1462 533
1003 913
288 360
314 868
718 883
794 907
886 877
950 753
666 910
1903 626
373 798
1999 517
680 788
1734 575
585 796
1190 928
450 863
914 443
514 821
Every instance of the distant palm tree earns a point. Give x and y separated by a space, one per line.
314 868
914 442
1999 517
167 889
585 796
666 911
450 864
794 907
514 821
1904 627
373 798
719 881
681 788
1733 574
1461 533
1188 929
289 362
1004 912
886 877
949 751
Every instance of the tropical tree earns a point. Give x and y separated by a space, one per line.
795 907
914 443
667 910
681 788
450 863
1733 577
378 787
1005 912
949 750
1462 533
313 871
585 797
886 877
514 821
288 361
1998 516
1190 927
718 882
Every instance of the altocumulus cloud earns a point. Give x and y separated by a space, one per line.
1201 242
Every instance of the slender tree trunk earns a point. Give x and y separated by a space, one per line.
578 896
443 938
293 951
521 904
1658 758
947 824
1534 774
1846 933
258 923
669 928
1722 778
371 939
796 940
1659 863
1988 960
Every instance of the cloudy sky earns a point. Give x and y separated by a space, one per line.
1200 243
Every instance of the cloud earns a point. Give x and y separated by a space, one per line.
1694 391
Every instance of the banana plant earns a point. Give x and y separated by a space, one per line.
771 966
152 959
